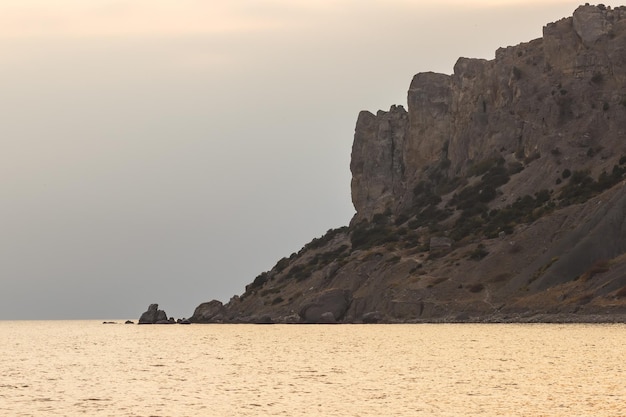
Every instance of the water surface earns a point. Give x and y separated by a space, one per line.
63 368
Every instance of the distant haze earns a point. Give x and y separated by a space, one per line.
168 152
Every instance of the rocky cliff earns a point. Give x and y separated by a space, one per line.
497 194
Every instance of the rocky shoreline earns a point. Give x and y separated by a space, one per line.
155 316
148 317
496 196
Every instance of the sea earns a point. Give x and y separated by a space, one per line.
87 368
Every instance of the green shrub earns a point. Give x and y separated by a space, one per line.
466 226
581 187
281 265
524 210
258 282
327 237
423 195
483 166
479 253
366 235
472 198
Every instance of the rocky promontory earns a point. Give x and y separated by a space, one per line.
495 194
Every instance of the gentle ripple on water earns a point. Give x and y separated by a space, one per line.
66 368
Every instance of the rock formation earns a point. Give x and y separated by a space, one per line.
210 312
153 315
328 307
496 195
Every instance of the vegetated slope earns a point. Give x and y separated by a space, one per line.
498 195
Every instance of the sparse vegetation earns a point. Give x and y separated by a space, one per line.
366 235
581 186
325 239
479 253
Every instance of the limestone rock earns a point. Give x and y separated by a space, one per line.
520 106
527 147
377 163
153 315
590 24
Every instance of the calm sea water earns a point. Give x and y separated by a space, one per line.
68 368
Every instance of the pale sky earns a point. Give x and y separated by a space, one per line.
169 151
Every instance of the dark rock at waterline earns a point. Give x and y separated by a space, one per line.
209 312
262 320
372 317
329 306
153 315
327 318
129 322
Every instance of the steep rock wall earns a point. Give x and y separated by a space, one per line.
532 100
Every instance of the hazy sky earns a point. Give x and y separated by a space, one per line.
169 151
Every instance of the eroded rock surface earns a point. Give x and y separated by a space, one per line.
210 312
496 194
153 315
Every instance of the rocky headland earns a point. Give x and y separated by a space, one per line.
496 195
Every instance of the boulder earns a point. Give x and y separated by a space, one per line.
291 319
319 309
328 318
209 312
153 315
372 317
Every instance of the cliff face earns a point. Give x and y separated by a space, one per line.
564 90
497 194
